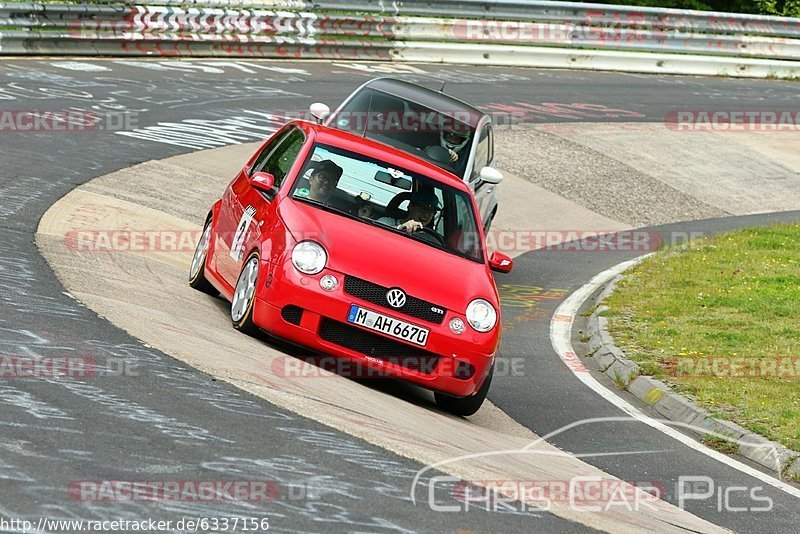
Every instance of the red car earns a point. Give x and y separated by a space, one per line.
360 251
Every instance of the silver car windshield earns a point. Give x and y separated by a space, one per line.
409 126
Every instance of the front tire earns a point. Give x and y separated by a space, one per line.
244 296
197 275
465 406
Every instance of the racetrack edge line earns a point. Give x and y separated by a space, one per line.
560 338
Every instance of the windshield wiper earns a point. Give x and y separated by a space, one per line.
435 244
418 237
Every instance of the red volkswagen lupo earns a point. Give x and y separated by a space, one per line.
360 251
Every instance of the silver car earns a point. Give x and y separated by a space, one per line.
428 124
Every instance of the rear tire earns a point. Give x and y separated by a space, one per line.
465 406
197 275
244 296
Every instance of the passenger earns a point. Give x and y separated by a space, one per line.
363 206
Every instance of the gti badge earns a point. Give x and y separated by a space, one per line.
396 298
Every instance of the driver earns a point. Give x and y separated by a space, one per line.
454 137
422 208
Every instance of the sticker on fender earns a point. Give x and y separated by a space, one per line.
388 325
237 246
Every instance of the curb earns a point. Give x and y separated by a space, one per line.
611 361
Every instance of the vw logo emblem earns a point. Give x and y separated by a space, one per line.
396 298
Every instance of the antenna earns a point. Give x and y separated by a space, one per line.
443 84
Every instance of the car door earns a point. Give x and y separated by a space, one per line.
247 209
484 154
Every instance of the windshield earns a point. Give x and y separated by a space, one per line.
390 198
443 139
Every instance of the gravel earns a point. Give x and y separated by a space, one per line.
592 179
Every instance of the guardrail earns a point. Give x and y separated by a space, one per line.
506 32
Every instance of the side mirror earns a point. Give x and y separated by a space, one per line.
490 175
500 262
319 111
263 181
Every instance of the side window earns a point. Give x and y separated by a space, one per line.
385 117
482 152
280 160
262 157
468 238
352 116
462 214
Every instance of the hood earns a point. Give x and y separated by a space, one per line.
391 260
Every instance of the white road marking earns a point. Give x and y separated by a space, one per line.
78 65
560 337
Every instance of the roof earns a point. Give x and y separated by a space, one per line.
435 100
378 150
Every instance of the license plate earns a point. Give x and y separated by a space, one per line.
388 325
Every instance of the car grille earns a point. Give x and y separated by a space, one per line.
376 294
292 314
388 350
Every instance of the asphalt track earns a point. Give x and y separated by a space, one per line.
167 422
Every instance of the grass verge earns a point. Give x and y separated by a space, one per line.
720 320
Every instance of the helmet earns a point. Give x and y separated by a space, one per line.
454 136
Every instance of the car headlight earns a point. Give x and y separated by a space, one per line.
309 257
481 315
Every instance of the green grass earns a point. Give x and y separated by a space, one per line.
793 477
734 298
721 444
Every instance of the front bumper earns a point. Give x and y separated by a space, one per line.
294 307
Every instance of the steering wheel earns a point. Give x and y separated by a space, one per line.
438 154
433 233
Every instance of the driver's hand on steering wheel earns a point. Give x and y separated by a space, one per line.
410 226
